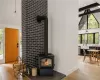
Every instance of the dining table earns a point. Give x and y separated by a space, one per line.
94 53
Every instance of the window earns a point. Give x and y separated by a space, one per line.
84 26
96 38
83 38
99 25
79 39
83 23
1 43
90 38
92 22
1 34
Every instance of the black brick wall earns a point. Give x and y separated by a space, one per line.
32 31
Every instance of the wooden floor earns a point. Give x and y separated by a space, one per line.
7 73
86 71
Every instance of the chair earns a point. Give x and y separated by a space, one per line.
98 58
86 55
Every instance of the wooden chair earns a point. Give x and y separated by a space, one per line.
86 55
98 58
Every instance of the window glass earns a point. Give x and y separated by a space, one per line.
1 34
96 38
90 38
83 38
79 39
84 26
99 25
92 22
1 43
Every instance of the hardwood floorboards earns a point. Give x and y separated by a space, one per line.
86 71
7 73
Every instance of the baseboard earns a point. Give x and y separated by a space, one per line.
71 70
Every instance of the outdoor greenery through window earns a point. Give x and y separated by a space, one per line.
96 38
84 26
83 38
92 22
90 38
1 42
79 39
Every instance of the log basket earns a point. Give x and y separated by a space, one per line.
19 67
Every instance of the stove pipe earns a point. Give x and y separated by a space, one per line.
45 19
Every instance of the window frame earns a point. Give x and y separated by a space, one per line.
88 20
86 34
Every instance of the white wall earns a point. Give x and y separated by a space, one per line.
7 16
63 20
98 1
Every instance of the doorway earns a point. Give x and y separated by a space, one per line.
11 44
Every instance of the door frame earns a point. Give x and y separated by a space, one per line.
18 42
3 61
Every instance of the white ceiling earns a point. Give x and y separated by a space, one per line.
87 2
7 16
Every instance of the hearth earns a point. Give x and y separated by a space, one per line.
46 64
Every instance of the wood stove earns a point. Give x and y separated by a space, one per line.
46 64
45 60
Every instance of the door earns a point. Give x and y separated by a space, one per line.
2 58
11 44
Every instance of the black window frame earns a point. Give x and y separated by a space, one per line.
93 38
94 42
88 19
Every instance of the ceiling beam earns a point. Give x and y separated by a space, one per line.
90 12
89 6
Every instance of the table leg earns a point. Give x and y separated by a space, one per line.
98 58
90 57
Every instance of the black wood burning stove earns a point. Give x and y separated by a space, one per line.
45 60
46 64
